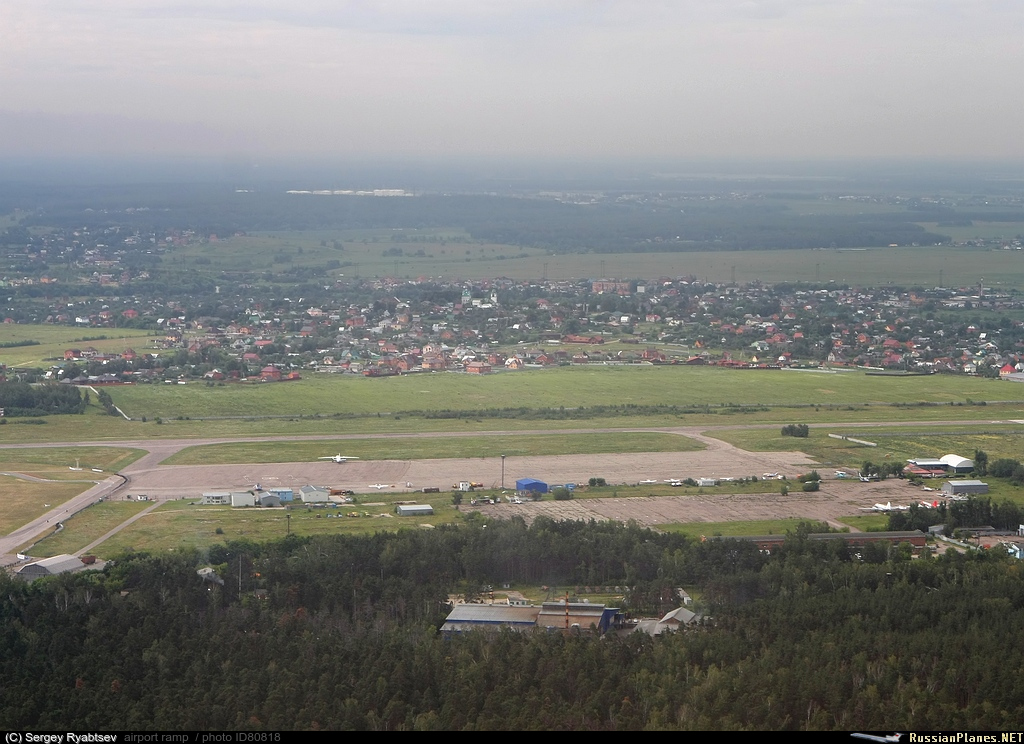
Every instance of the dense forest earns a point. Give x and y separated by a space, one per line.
342 633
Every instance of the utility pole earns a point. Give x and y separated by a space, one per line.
503 472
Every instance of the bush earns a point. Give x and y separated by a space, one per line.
597 482
796 430
561 494
811 486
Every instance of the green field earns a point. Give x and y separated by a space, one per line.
563 387
420 448
88 525
24 500
867 522
749 527
55 462
894 444
178 525
54 340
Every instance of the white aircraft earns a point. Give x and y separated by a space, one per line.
886 507
890 739
841 474
338 458
379 486
647 482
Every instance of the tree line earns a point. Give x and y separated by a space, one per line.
341 633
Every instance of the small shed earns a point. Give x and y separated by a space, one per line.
414 510
314 495
242 498
283 494
531 484
964 487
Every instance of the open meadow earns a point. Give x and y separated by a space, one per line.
691 388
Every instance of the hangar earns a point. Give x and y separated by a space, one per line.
531 484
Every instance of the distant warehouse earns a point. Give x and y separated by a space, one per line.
414 510
964 487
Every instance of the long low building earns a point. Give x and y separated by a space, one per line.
58 564
964 487
547 616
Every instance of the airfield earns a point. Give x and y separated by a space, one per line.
633 477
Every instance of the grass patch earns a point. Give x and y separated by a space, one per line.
182 524
689 388
894 444
24 501
435 448
88 525
867 522
56 461
739 528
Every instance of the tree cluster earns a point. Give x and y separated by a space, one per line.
22 399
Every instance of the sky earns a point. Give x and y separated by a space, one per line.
513 79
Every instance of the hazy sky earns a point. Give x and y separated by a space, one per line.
554 79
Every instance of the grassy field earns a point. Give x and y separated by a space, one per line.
55 462
894 445
182 525
24 500
54 340
87 526
750 527
435 448
866 522
568 387
96 426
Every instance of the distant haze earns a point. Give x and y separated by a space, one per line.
502 80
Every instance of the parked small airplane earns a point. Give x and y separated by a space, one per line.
338 458
886 507
841 474
868 478
379 486
929 504
647 482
